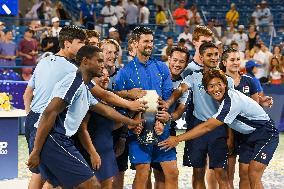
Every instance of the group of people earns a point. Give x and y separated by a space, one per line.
85 117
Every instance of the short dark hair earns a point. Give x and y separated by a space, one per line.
7 31
69 33
169 37
206 45
87 51
182 50
214 73
140 30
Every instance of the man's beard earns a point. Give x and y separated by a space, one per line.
146 53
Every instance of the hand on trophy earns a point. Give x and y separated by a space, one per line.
136 93
159 127
163 116
137 129
163 105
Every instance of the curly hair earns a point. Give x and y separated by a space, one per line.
201 31
214 73
69 33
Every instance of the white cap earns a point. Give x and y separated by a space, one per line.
107 1
241 27
55 19
112 29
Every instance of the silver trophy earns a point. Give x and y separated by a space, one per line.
148 135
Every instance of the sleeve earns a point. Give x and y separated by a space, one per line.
103 11
175 13
253 87
227 111
68 88
167 86
231 84
91 84
183 98
120 81
258 85
20 46
93 100
31 82
188 80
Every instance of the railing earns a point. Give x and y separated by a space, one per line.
15 21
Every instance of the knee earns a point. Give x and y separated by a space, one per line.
243 174
142 172
172 173
221 174
198 174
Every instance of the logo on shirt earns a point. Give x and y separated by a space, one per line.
200 87
246 89
263 156
3 148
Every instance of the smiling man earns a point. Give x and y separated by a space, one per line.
148 74
214 143
242 114
53 150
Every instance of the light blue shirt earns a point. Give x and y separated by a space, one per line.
240 112
183 98
78 98
204 105
191 67
47 73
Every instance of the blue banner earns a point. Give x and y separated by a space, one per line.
8 148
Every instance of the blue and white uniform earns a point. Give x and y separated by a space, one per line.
61 163
191 67
248 87
181 100
246 116
257 82
152 75
214 143
47 73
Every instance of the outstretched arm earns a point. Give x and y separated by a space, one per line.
115 100
112 114
197 131
175 96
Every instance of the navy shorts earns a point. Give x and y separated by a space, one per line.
30 133
238 140
213 144
61 163
260 145
139 153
